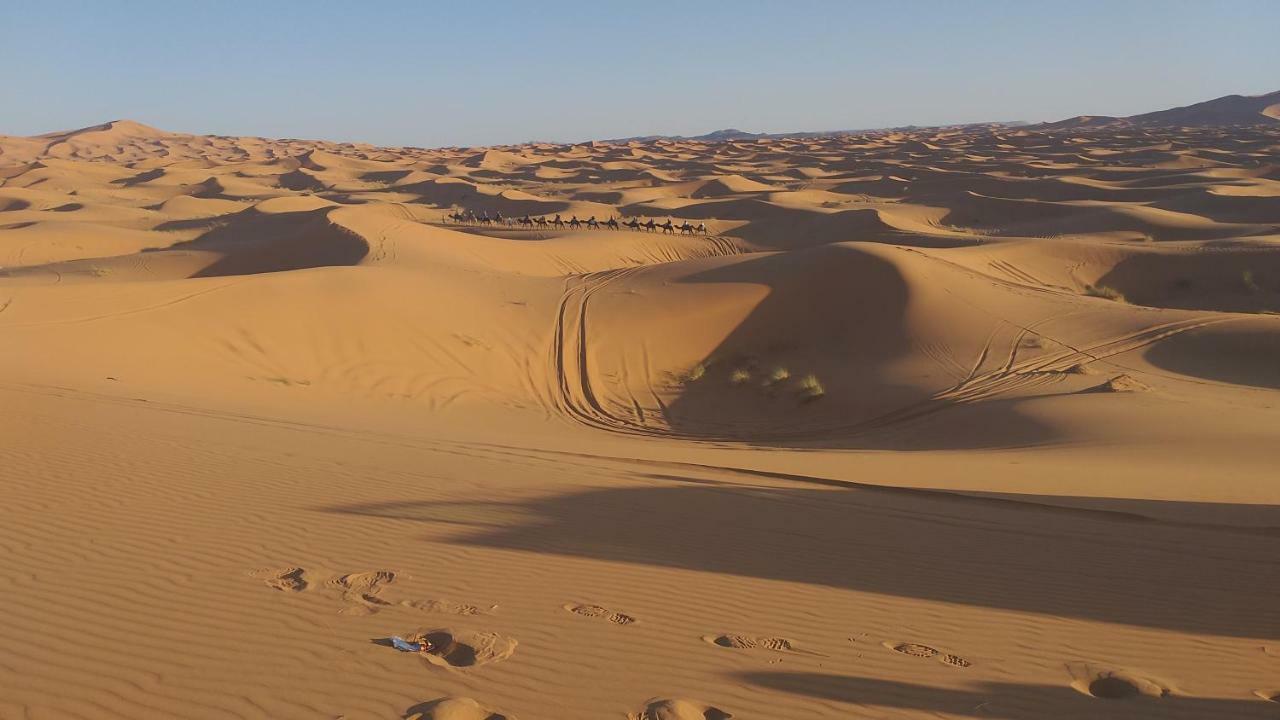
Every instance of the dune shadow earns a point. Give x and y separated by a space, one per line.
1242 279
837 314
1129 565
198 223
468 196
142 177
1229 355
1003 700
250 242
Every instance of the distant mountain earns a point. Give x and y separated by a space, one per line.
730 134
716 136
1230 110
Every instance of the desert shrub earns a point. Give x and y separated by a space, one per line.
1249 283
811 388
1104 291
696 373
739 376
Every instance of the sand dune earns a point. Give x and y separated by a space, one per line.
728 185
929 423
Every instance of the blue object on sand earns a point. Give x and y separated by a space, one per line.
403 645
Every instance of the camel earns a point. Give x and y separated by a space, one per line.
633 223
540 221
558 222
702 228
686 228
612 224
650 226
592 223
526 221
575 223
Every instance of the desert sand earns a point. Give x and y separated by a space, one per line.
974 423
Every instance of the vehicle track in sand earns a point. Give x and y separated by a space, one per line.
575 394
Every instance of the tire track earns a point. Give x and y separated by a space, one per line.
574 395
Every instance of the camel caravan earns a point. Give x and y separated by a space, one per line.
471 217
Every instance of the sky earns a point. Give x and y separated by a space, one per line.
470 72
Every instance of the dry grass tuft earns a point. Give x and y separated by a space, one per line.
1103 291
1249 282
811 388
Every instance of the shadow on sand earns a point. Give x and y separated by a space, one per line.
839 313
1117 564
1008 701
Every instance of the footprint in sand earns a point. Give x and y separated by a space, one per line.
679 709
1108 684
596 611
465 649
745 642
913 649
1112 687
291 579
454 708
361 590
924 651
447 607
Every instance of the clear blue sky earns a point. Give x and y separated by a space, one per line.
467 72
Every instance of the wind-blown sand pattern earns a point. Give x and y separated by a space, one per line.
959 423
